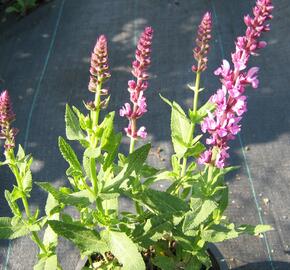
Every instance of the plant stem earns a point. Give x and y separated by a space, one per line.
15 171
95 117
36 239
132 145
97 105
192 125
94 175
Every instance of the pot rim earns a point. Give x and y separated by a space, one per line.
213 249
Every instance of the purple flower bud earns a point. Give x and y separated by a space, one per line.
202 43
7 116
137 87
99 69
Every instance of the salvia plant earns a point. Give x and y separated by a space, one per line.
169 229
21 7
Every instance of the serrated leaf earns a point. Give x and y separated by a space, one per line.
194 218
88 241
221 172
195 150
107 134
67 199
13 206
51 203
116 140
16 194
92 152
202 112
180 130
164 262
219 233
20 153
152 231
27 181
47 263
161 202
73 129
135 162
9 231
68 154
124 250
82 118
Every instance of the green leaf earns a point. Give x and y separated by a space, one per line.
135 162
124 250
148 171
67 199
73 129
83 120
88 241
16 194
116 140
20 153
180 128
47 263
194 218
180 131
254 230
51 204
161 202
9 231
153 230
108 126
27 181
219 233
92 152
195 150
13 205
202 112
68 154
164 262
221 172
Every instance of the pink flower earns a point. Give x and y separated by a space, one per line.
126 110
142 132
205 157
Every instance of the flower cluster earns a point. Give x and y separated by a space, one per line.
202 43
7 116
230 100
99 64
137 87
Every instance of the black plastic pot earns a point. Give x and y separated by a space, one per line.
218 262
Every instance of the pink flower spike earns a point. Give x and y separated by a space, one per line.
137 87
223 124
